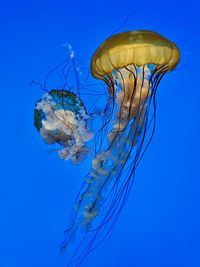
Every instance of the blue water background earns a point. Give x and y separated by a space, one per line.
160 225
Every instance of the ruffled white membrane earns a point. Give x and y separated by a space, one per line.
65 128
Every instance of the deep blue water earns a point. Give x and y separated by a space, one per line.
160 225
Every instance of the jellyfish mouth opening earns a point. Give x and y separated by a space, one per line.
132 88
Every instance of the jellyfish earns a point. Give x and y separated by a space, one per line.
61 118
131 64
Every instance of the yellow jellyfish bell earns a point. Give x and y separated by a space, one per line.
133 47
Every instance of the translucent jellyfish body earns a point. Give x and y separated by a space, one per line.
61 118
132 65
